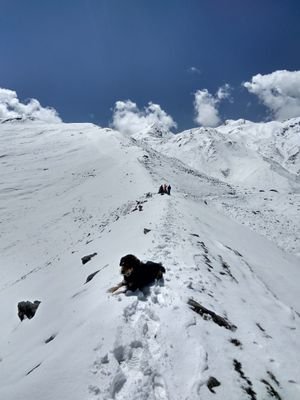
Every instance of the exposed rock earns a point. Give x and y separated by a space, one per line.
50 338
273 377
27 309
32 369
91 276
236 342
212 382
270 389
204 312
87 258
146 231
249 387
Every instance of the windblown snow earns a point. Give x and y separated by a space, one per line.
224 323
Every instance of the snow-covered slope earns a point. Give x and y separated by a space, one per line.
68 190
243 152
260 160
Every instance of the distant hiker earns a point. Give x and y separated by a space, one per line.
169 190
165 188
161 189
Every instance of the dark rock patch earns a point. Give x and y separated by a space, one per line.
249 388
274 190
91 276
260 327
87 258
205 313
235 251
146 231
50 338
194 234
226 268
212 383
138 206
27 309
207 261
29 372
202 244
236 342
263 330
270 389
273 377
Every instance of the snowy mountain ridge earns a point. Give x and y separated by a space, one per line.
242 152
225 322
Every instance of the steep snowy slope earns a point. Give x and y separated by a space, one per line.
243 152
260 160
68 190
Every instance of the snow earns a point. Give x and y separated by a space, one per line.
69 190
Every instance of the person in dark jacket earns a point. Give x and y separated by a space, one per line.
169 190
161 189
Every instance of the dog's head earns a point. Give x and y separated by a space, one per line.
130 260
128 263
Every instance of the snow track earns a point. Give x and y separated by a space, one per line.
223 324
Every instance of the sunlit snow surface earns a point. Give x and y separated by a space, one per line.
69 190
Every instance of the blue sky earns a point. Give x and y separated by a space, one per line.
81 56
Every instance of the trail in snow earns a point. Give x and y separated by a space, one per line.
209 271
86 343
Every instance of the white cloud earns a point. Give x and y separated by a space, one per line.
223 92
194 70
278 91
11 107
128 118
206 105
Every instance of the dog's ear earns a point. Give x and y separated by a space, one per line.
132 260
124 261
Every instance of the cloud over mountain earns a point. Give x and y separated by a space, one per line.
12 107
206 105
128 118
278 91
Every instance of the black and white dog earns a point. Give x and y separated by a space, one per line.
138 274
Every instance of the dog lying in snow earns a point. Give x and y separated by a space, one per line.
138 274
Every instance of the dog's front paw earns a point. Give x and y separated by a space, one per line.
112 289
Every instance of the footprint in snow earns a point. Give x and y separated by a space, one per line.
159 388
